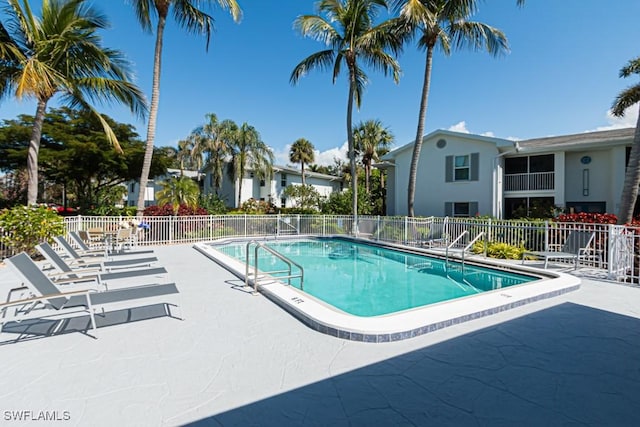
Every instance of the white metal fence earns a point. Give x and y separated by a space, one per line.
614 250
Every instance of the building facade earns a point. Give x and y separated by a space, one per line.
155 184
271 189
463 174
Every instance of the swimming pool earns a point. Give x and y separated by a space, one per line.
366 280
339 305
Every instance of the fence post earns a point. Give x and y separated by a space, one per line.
324 221
611 256
546 235
377 235
406 229
245 225
170 229
278 219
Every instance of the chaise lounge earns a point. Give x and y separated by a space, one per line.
92 272
575 247
45 299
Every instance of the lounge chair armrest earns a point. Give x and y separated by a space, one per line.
11 291
46 297
66 280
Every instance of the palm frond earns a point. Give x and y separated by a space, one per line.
477 36
316 28
626 99
145 11
320 60
105 90
632 67
192 19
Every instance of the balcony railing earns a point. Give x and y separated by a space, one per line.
529 181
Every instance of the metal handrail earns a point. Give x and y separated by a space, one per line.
450 245
470 244
278 255
293 227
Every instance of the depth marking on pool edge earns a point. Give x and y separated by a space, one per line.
297 300
506 295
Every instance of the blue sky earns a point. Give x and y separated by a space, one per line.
560 77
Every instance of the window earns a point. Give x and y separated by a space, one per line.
461 209
283 202
262 183
251 174
283 180
530 164
133 187
461 168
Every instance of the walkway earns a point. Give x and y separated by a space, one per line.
238 359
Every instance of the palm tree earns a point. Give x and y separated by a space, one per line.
371 139
185 154
627 98
178 191
302 152
188 15
213 141
442 23
60 52
352 38
249 152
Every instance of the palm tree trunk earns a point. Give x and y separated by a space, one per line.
631 180
153 114
367 176
352 155
413 170
240 175
32 154
303 181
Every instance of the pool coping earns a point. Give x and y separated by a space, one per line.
408 323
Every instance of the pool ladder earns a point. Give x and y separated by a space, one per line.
289 262
465 249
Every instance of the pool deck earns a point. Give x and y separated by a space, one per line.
238 359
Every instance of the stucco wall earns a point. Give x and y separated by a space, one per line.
432 191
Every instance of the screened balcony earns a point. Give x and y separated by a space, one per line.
529 173
529 181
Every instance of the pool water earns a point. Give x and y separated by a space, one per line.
367 280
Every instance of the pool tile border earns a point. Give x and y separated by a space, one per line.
411 333
341 329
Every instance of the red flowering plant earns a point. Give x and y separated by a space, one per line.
167 210
588 218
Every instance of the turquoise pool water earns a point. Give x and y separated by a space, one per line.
367 280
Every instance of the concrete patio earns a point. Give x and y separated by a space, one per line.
238 359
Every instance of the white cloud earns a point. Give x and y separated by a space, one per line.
462 128
459 127
627 121
325 158
322 158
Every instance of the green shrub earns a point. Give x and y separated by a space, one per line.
23 227
499 250
106 210
213 204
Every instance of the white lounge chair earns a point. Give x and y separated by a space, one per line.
77 258
46 300
90 272
575 247
85 250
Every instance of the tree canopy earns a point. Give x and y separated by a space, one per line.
76 154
